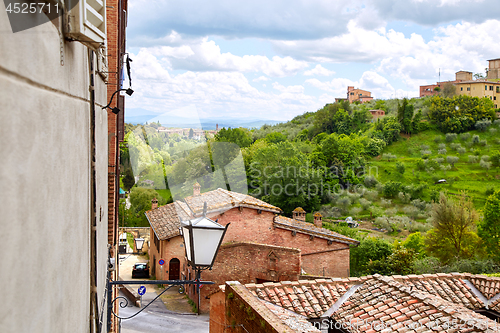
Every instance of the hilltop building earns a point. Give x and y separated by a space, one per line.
358 95
260 245
465 85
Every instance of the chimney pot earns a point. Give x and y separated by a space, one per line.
196 189
318 220
154 203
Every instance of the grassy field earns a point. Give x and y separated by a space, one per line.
470 177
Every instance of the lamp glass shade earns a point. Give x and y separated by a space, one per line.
202 239
139 242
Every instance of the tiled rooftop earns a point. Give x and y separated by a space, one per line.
165 220
401 303
310 229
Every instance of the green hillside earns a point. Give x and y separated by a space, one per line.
468 173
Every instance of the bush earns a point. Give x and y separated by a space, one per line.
441 151
451 137
404 197
400 167
452 160
439 160
425 153
438 139
365 204
385 202
493 131
461 150
424 147
475 139
464 136
445 167
371 195
442 146
391 189
473 159
485 158
483 142
482 125
489 191
370 181
497 122
484 164
389 156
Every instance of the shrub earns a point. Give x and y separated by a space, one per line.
483 142
485 158
485 164
475 139
455 146
464 136
365 204
385 202
473 159
461 150
400 167
493 130
442 146
391 189
370 181
371 195
438 139
445 167
441 151
452 160
344 203
482 125
497 122
424 147
355 211
489 191
404 197
389 156
439 160
451 137
421 164
425 153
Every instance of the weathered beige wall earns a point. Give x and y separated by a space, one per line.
45 182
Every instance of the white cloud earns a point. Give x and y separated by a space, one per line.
214 93
261 78
319 70
205 55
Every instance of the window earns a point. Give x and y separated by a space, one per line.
494 98
491 88
498 89
485 87
461 88
468 88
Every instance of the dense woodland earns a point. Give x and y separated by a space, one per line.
341 162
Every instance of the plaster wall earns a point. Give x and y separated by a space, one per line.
45 181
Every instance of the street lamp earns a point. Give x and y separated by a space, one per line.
202 238
139 242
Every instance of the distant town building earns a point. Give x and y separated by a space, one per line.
465 85
358 95
377 114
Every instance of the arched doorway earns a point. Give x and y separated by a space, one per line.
174 268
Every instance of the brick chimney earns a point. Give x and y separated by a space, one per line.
154 203
318 220
196 189
299 214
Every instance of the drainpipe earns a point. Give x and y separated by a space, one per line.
94 308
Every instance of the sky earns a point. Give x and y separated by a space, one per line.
274 59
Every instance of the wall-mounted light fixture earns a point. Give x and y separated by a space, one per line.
116 110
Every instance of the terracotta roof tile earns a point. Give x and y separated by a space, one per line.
310 229
165 220
425 303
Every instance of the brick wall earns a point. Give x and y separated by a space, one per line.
244 313
247 262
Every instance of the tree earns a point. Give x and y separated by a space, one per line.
239 136
128 179
400 167
416 242
489 228
452 160
191 133
453 234
369 249
448 90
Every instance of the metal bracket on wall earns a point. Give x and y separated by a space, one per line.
61 41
